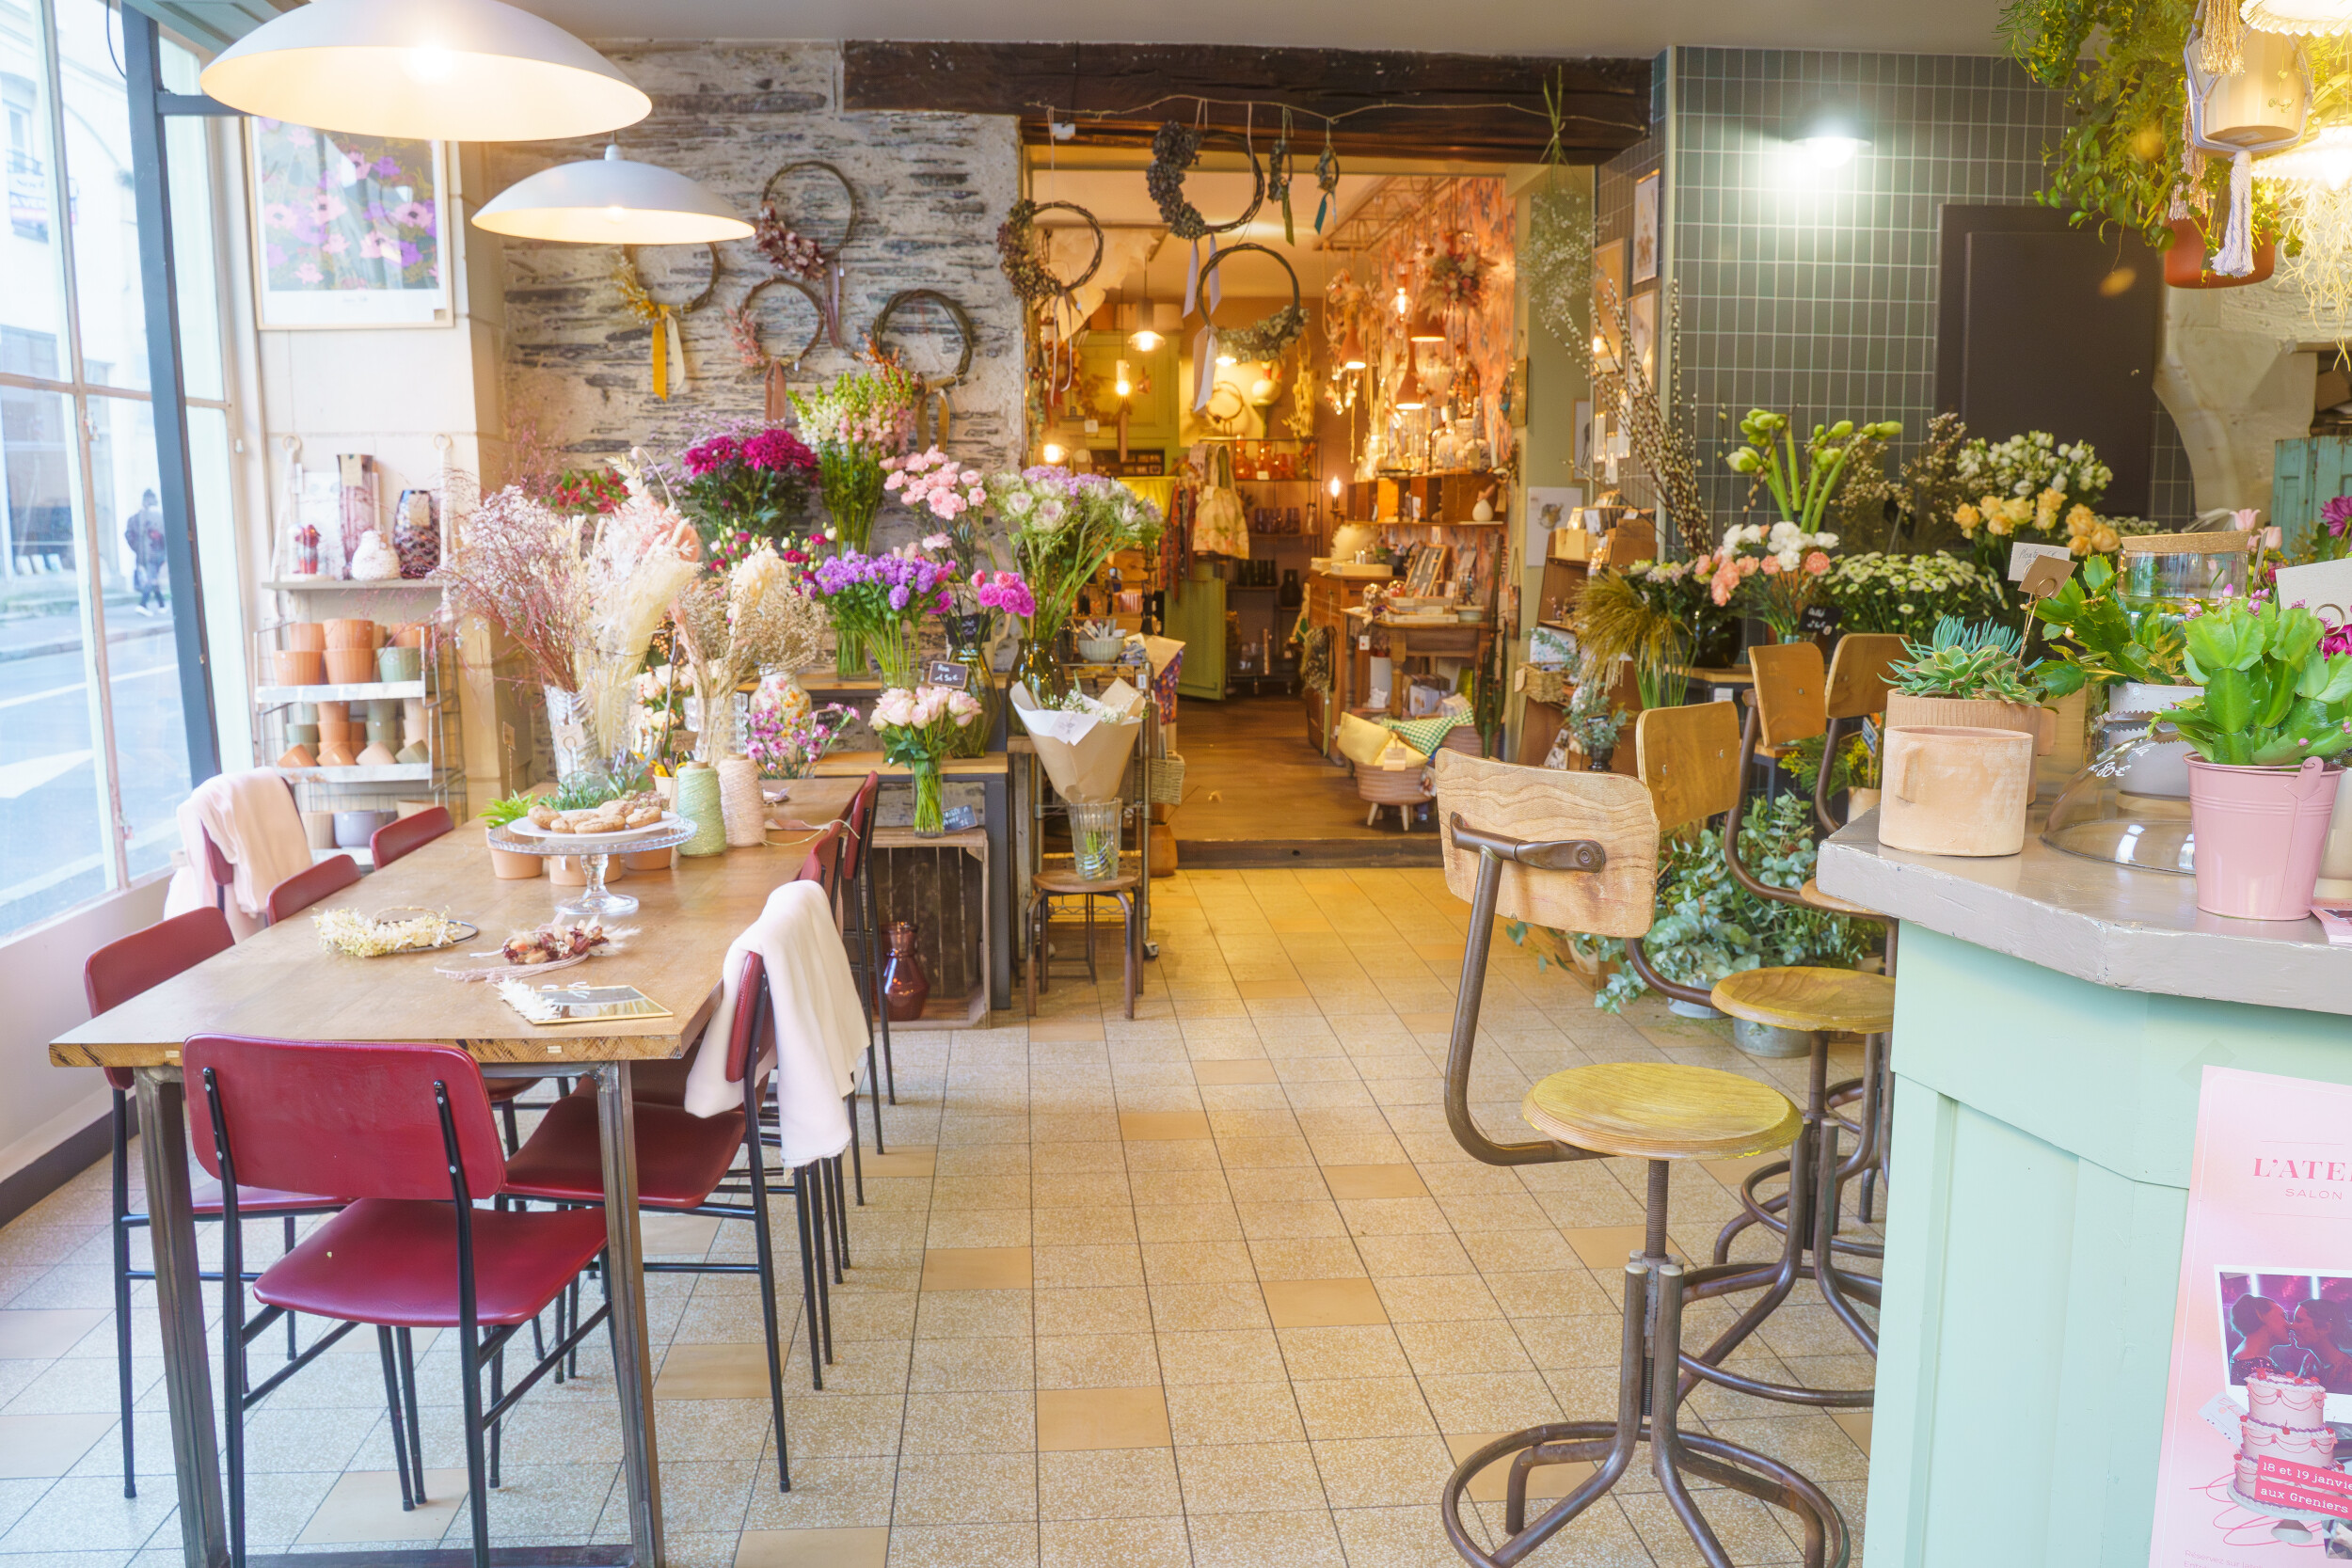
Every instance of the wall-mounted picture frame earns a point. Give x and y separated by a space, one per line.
1645 228
1642 320
1608 293
348 232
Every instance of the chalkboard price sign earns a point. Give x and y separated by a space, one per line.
1818 620
947 672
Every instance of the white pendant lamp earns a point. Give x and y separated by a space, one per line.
610 200
427 70
2319 17
2325 157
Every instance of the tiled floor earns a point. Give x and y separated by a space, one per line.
1213 1287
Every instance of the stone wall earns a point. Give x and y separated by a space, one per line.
931 189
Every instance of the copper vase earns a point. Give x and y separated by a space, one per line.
905 986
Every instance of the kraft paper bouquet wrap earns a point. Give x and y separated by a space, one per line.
1084 741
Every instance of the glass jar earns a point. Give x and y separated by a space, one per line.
1094 830
967 643
930 814
2163 573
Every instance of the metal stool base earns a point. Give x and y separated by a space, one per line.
1648 1395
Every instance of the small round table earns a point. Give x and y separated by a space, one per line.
1046 886
594 902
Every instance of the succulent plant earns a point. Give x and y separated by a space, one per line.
2273 695
1983 660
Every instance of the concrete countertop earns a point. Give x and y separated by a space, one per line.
2134 930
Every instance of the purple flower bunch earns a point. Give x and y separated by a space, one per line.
2337 515
878 598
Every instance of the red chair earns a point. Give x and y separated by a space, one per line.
110 976
407 1130
224 872
857 868
407 834
823 867
305 888
683 1161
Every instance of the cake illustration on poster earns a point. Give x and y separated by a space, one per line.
2260 1391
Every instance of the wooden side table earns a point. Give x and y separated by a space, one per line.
1046 886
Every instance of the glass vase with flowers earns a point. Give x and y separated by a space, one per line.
1064 528
920 727
879 601
735 621
786 739
1774 572
855 425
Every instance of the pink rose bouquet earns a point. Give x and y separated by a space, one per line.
919 726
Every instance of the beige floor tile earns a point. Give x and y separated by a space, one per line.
1234 1412
998 1362
827 1493
1436 1298
1096 1361
1198 1263
33 1445
1414 1253
1248 1477
1382 1472
45 1334
1324 1303
677 1235
1854 1424
1297 1539
1064 1030
1605 1247
1166 1188
1344 1352
990 1422
1071 1420
1491 1484
1108 1483
993 1545
911 1160
966 1489
1187 1309
813 1548
1241 1071
1373 1182
1100 1265
1005 1268
735 1371
1114 1543
1363 1407
1147 1126
1120 1310
364 1505
1306 1258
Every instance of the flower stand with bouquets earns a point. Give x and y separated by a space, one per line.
745 484
732 623
1774 572
920 728
1782 564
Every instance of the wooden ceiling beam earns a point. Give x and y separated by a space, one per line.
1487 107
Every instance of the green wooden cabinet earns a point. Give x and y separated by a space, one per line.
2307 474
1198 621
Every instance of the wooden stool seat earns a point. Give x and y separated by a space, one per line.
1837 1001
1069 882
1661 1111
1811 892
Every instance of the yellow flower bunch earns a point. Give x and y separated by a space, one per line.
2045 509
1969 519
2087 533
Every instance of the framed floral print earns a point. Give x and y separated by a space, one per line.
348 231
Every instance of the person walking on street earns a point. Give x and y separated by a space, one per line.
144 533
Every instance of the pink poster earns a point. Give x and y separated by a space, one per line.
2262 1337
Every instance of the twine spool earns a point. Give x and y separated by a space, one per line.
698 801
742 806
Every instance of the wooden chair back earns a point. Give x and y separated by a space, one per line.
1688 758
1790 686
1857 673
1540 803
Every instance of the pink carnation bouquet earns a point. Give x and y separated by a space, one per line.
1774 572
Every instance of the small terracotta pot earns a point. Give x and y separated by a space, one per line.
341 730
337 753
510 866
378 755
331 713
308 635
350 634
298 667
1973 713
650 859
410 636
350 666
297 756
1953 791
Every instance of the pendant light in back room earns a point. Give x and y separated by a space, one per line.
612 200
425 70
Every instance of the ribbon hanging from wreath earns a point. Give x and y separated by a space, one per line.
669 346
1175 149
1266 338
744 327
795 255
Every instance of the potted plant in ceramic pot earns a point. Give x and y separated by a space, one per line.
2276 706
1969 676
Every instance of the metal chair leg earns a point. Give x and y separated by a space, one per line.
801 1199
873 970
763 1241
392 1403
408 1346
122 1286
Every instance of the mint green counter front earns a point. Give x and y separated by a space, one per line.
2053 1019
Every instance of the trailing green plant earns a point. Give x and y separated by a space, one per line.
2273 694
1981 661
1708 926
1855 767
2095 638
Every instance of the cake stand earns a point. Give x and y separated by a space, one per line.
594 902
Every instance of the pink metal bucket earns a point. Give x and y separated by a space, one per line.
2259 833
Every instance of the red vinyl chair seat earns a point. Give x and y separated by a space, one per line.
253 1202
305 888
407 834
394 1261
681 1157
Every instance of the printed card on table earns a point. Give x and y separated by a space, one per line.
2260 1389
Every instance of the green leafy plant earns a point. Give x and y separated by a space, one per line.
498 814
2095 638
1855 767
1968 662
1590 721
2273 695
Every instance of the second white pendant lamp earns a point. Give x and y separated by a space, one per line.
427 70
612 200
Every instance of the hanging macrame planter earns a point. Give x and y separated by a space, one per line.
2260 106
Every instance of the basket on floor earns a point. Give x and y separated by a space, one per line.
1164 780
1392 787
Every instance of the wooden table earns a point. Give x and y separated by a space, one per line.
282 984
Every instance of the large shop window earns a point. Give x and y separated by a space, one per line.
93 740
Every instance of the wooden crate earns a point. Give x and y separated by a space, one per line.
940 884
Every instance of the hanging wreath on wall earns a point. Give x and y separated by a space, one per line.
1020 252
1174 149
669 347
793 253
744 327
1269 338
966 338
